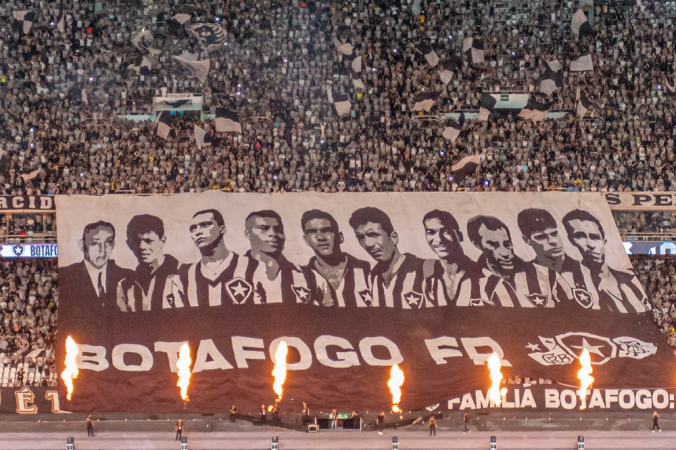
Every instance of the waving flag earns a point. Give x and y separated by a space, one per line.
355 61
425 101
465 167
357 82
486 106
583 104
474 49
448 68
227 121
535 110
345 49
199 69
142 65
582 64
340 102
580 25
25 19
141 42
551 81
452 131
210 36
201 137
163 124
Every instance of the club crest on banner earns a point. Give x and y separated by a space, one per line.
239 289
366 297
583 298
537 300
414 299
18 250
302 294
565 348
630 347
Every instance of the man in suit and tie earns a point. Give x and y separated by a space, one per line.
88 289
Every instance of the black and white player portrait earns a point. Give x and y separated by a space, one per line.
540 231
218 277
618 290
398 280
143 290
93 281
534 286
457 279
342 280
275 278
211 250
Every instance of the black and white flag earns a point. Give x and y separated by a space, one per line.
448 67
583 104
430 55
355 62
142 42
452 131
181 19
345 49
61 19
176 25
474 49
227 121
425 101
340 102
163 124
582 64
142 65
201 138
25 19
210 36
551 81
200 69
535 110
554 65
465 167
669 89
357 82
486 106
580 25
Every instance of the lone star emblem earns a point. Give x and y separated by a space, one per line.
239 290
591 348
583 297
18 250
366 297
413 299
533 347
302 293
537 300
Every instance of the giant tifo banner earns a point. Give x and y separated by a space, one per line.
353 284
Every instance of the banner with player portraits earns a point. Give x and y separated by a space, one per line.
353 283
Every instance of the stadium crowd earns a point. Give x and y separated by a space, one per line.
657 276
63 95
28 304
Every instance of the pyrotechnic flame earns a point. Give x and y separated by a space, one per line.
395 382
279 372
70 372
495 393
584 374
183 365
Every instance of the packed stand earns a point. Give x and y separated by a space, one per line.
62 92
658 278
37 228
642 225
28 305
